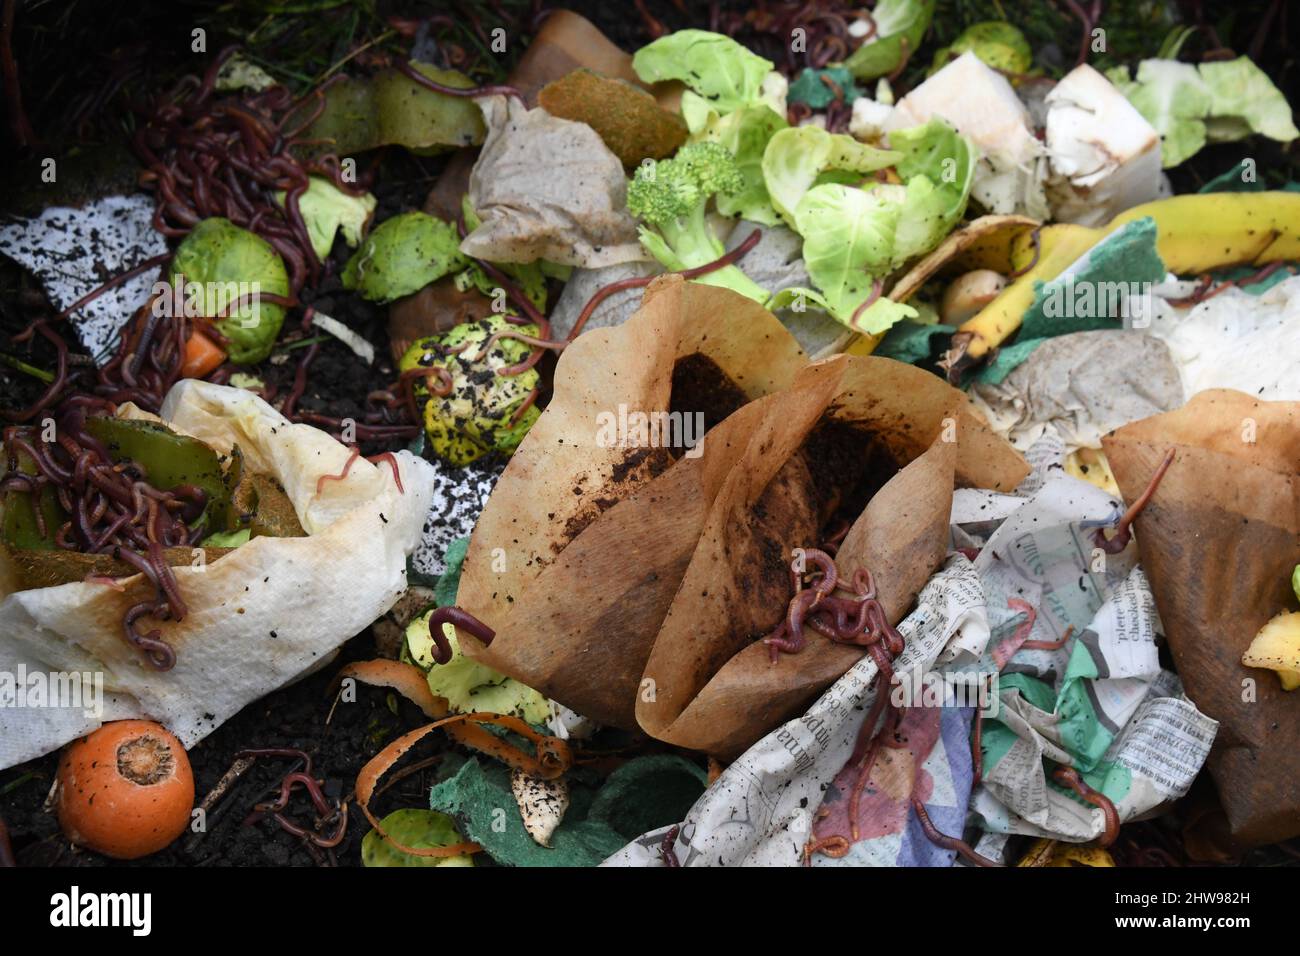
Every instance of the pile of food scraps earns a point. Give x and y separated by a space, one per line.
723 435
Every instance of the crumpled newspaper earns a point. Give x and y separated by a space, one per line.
459 497
74 251
760 811
1102 703
260 617
615 309
776 263
1122 721
1082 385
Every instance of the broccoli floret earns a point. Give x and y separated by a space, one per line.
671 197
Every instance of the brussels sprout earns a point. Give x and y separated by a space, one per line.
402 256
326 210
222 264
996 42
478 415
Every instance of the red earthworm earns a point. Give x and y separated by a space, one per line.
389 457
442 652
1069 777
353 455
667 851
406 69
529 400
652 26
1055 645
288 784
299 778
1206 290
836 847
906 47
160 655
881 740
151 263
730 258
1123 530
541 343
324 842
60 379
1087 21
947 842
877 286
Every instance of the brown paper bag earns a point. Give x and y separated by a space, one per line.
1219 540
709 683
689 347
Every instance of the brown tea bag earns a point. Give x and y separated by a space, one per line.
1219 540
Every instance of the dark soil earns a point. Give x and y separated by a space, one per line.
700 386
849 465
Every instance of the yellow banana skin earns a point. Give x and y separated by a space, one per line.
1195 233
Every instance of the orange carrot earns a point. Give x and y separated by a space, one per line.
201 356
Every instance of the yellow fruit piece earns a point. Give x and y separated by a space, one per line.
1194 234
1044 852
1277 648
864 344
1072 854
984 243
1090 465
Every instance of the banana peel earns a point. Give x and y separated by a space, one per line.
1195 234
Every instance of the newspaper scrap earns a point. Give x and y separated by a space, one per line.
1080 386
74 251
1101 703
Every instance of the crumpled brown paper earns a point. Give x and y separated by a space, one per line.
708 684
1219 540
548 188
577 595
